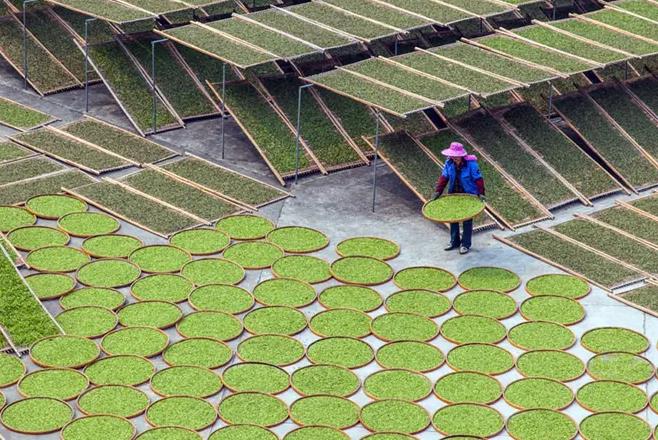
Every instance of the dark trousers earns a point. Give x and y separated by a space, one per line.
465 239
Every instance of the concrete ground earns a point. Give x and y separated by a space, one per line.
340 206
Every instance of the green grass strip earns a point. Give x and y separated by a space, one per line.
485 303
50 285
607 339
275 350
186 412
629 221
429 278
360 298
36 415
158 314
245 227
88 321
468 329
541 335
160 258
186 381
340 322
253 409
480 358
64 352
329 380
332 411
394 416
361 270
619 426
54 206
284 292
27 169
138 341
88 224
608 395
13 217
89 428
202 241
10 151
453 209
20 116
93 296
302 267
198 352
213 271
237 432
410 355
221 298
556 309
298 239
256 377
624 367
216 325
115 400
489 278
56 259
111 246
162 287
536 393
550 364
468 419
19 192
373 247
128 370
421 302
62 384
108 273
397 384
468 387
275 320
169 433
540 424
568 286
404 327
11 369
253 254
341 352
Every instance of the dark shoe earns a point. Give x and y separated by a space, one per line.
451 247
464 250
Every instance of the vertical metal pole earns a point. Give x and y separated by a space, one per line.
554 10
396 46
25 63
223 105
470 102
626 65
299 128
153 85
550 98
87 21
374 166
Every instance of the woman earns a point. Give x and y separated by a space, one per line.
461 174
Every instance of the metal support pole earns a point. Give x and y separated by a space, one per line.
374 166
87 21
154 93
554 10
396 46
299 128
470 102
25 63
223 105
550 98
626 66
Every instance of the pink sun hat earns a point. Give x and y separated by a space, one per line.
456 150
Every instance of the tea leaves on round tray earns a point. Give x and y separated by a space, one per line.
221 298
550 364
558 285
159 258
557 309
541 335
199 352
541 424
404 327
608 339
169 433
284 292
54 206
298 239
614 425
253 408
101 426
624 367
50 285
88 224
397 384
108 273
360 298
58 383
186 412
607 395
274 320
410 355
480 358
11 369
468 387
364 271
56 259
201 241
36 415
468 419
421 302
421 277
158 314
242 432
340 322
138 341
489 278
466 329
186 381
395 436
87 321
213 271
111 246
373 247
453 208
115 400
331 411
29 238
12 217
245 227
342 352
325 379
305 268
162 287
256 377
394 416
315 433
125 370
276 350
64 352
93 296
215 325
488 303
536 393
253 254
